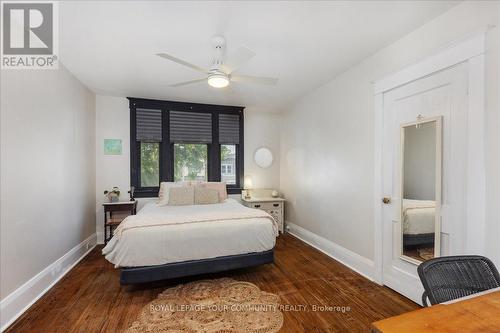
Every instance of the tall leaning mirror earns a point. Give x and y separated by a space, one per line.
421 189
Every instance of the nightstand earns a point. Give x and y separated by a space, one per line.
274 206
114 214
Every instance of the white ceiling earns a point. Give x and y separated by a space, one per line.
110 46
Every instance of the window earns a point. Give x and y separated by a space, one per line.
228 161
149 137
230 146
150 164
174 141
190 162
226 169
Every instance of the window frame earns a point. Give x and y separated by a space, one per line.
166 155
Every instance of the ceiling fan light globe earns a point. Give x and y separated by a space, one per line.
218 81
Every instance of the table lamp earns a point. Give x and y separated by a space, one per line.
247 184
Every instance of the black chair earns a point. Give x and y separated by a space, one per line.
448 278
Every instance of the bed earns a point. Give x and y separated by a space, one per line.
163 242
418 222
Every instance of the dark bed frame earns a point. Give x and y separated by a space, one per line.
418 239
132 275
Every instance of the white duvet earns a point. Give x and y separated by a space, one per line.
157 244
418 216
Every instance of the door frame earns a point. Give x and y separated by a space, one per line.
468 237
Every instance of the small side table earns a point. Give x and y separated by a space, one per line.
274 206
111 220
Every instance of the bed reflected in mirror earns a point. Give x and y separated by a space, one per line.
421 189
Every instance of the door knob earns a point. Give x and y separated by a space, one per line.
386 200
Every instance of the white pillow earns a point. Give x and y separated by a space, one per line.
163 194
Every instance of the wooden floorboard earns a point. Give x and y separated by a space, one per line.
90 299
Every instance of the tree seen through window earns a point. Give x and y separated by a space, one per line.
190 162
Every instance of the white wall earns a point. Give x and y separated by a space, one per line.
113 122
327 139
47 178
262 129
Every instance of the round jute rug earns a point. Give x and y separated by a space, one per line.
211 306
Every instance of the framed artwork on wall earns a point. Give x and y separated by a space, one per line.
112 146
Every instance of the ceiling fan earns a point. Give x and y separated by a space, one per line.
221 73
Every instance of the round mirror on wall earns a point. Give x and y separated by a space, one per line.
263 157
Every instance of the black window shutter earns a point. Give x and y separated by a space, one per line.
148 125
229 129
190 127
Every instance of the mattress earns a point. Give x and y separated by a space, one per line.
418 216
171 243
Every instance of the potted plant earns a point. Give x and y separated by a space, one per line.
113 194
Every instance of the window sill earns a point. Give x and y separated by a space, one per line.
146 193
153 192
233 190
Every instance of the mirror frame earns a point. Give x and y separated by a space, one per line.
255 160
438 182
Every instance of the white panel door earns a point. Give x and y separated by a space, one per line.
441 94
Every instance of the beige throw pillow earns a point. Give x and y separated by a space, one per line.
219 186
181 196
163 194
205 196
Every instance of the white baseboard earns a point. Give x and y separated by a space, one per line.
15 304
354 261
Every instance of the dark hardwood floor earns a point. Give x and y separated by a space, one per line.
90 299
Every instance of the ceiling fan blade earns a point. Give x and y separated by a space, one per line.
237 59
187 82
182 62
271 81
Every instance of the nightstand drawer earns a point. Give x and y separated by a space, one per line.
274 206
120 207
267 205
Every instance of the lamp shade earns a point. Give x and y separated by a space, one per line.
248 182
218 80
